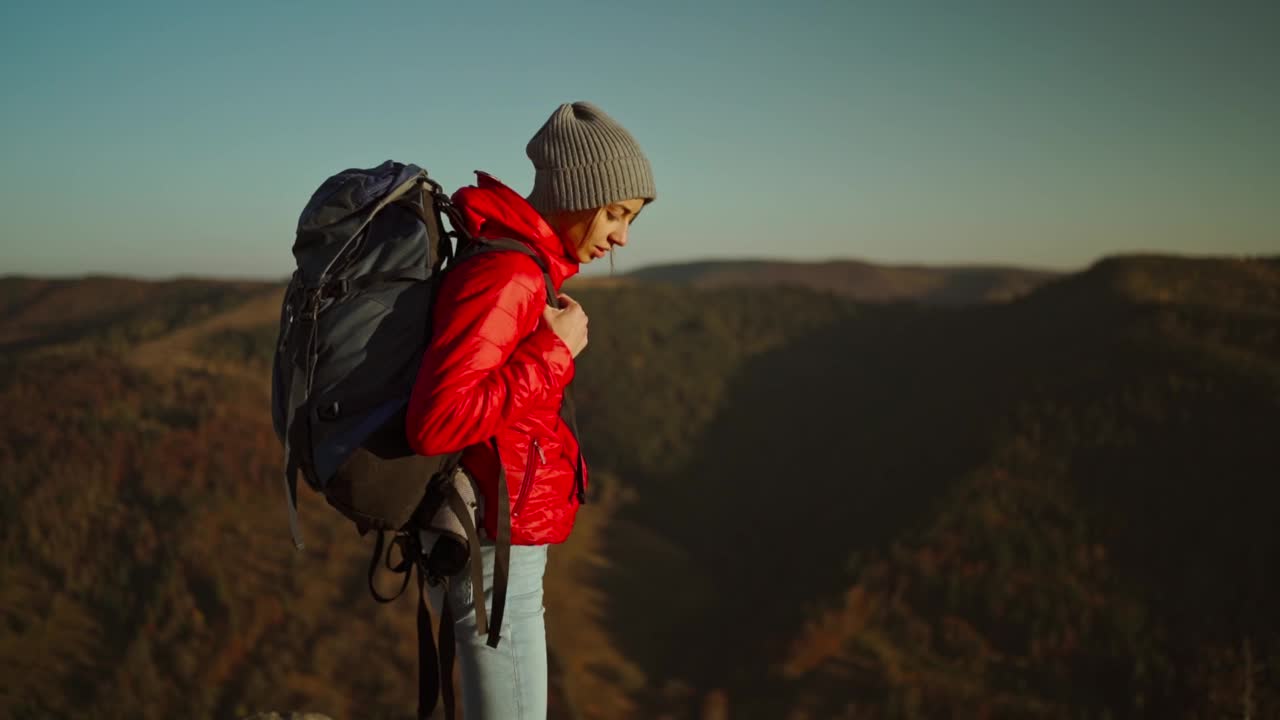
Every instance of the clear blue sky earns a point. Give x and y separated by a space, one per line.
180 138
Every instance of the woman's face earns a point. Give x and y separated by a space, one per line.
591 234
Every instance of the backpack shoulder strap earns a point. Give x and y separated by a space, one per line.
478 246
568 409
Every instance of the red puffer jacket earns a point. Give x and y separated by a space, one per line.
495 369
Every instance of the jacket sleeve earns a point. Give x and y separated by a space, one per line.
491 357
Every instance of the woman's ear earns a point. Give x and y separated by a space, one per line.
563 222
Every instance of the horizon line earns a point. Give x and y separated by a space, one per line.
707 260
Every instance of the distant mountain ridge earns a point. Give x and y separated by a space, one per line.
858 279
40 311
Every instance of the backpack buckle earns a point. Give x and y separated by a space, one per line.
336 288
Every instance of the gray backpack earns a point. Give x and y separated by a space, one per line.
371 246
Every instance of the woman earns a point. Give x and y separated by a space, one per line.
495 372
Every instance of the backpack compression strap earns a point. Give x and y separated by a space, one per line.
502 544
435 670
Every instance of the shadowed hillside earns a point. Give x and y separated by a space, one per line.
803 507
1056 505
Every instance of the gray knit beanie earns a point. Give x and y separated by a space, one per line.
584 159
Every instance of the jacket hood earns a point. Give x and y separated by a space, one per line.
491 210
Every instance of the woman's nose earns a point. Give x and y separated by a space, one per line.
620 237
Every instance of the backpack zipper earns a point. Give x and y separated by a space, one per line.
527 482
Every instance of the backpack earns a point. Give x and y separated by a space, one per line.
371 245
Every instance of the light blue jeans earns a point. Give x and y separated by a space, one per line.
508 682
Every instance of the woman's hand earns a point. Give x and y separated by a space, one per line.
569 322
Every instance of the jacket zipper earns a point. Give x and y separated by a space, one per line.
527 482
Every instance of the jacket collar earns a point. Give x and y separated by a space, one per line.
492 210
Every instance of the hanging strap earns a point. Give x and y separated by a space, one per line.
297 425
569 413
501 554
291 498
434 671
408 550
440 207
477 565
446 655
